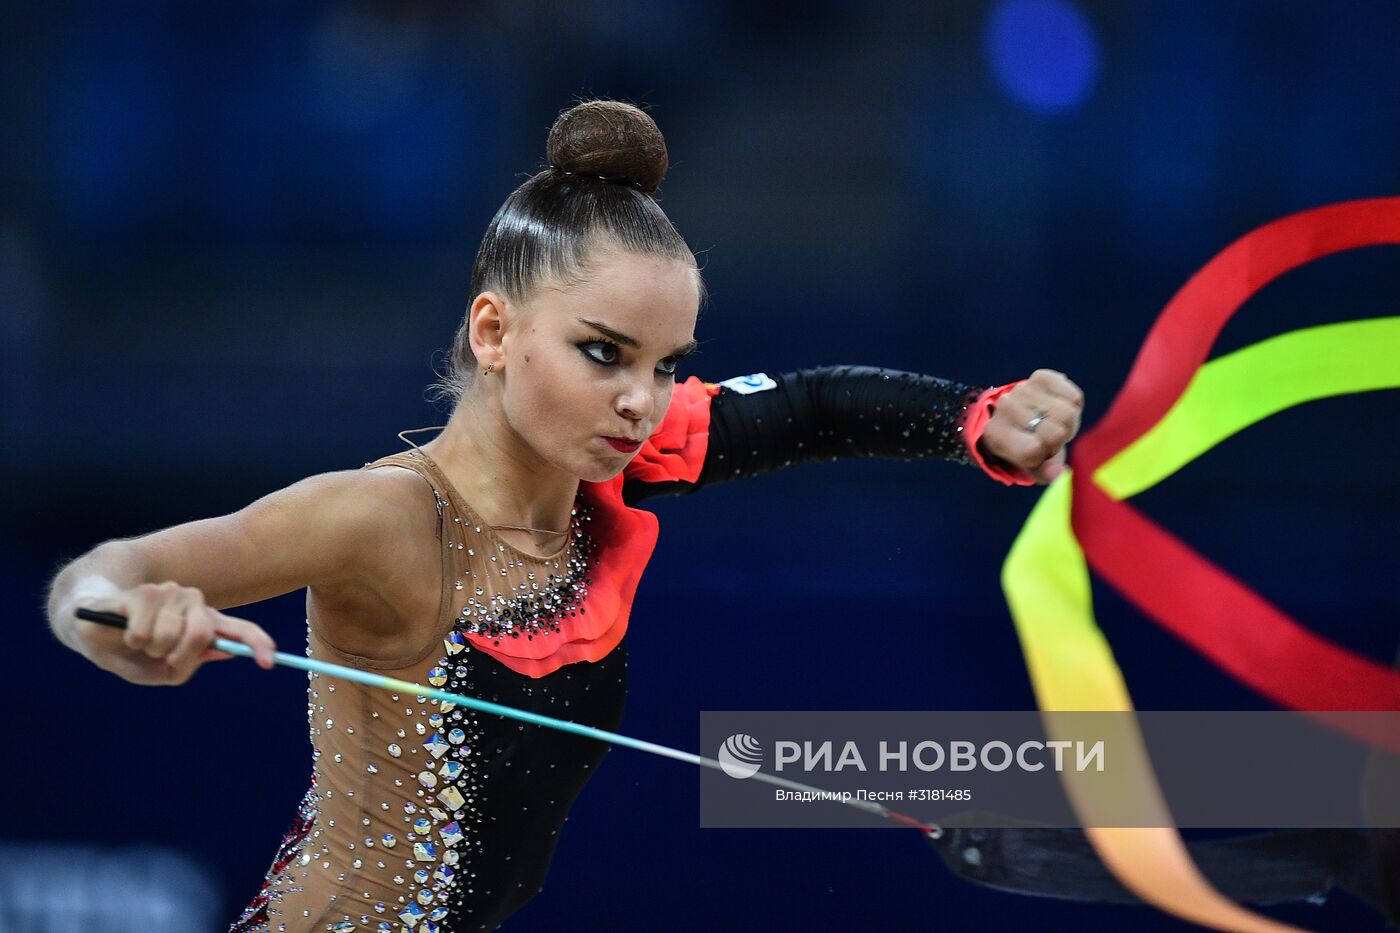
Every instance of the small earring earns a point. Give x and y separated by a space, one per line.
488 369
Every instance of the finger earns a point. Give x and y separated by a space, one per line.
1017 446
197 636
1057 384
1010 435
1058 419
140 610
1061 422
169 626
214 654
1049 470
251 635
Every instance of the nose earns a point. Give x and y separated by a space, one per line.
635 402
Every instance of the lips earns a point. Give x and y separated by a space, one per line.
623 444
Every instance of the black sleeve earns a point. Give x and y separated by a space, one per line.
823 414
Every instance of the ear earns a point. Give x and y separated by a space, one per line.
487 320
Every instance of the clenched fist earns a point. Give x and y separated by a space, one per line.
1032 424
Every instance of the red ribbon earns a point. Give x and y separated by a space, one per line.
1191 597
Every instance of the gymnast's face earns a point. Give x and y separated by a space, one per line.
589 367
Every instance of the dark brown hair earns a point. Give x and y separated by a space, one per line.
605 160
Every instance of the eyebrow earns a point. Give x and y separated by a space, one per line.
683 350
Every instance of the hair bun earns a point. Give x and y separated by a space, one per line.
611 140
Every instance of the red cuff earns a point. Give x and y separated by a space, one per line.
978 414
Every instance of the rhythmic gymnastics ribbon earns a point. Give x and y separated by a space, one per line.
1171 410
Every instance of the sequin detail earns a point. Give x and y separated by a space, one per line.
396 838
531 607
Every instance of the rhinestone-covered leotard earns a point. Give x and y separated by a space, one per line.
429 818
396 831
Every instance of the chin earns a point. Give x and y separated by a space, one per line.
587 469
599 470
591 464
601 474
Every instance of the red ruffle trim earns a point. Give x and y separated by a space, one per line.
624 538
623 541
676 449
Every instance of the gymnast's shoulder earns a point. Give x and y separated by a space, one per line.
358 515
326 530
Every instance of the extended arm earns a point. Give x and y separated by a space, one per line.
170 584
758 424
835 411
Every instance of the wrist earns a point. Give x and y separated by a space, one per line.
979 413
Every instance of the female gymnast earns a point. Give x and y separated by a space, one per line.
500 557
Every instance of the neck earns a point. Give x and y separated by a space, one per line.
497 472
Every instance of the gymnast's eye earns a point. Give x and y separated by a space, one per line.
602 352
667 367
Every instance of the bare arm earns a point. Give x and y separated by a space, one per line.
170 584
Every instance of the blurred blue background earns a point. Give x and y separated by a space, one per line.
234 240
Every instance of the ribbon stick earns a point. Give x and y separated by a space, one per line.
327 669
1171 411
